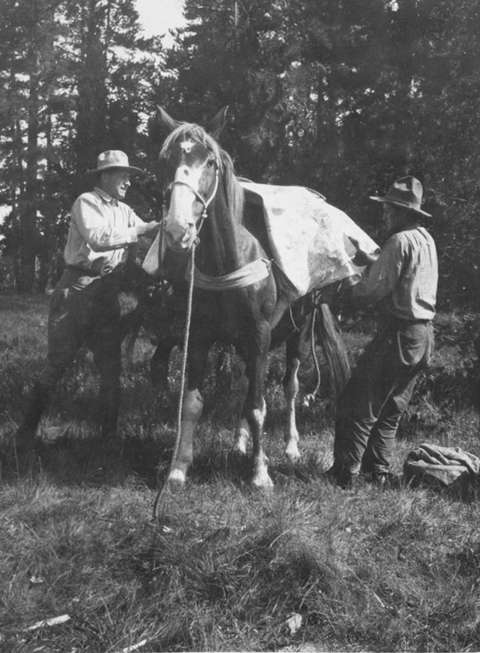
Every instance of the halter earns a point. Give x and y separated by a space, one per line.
245 276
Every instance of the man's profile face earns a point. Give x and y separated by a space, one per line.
115 182
393 216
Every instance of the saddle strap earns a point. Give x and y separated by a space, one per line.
245 276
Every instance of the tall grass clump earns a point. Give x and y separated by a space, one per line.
226 568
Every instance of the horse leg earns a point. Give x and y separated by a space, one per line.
297 348
37 403
255 407
242 431
159 363
242 436
256 419
64 340
130 340
291 387
192 408
107 355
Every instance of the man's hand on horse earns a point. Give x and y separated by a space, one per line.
147 227
362 258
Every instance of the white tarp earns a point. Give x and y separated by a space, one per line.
151 262
309 237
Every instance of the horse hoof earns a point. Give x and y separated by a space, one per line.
292 454
176 480
263 483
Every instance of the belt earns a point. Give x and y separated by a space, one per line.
92 273
406 321
84 271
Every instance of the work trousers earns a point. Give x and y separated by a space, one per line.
378 393
84 310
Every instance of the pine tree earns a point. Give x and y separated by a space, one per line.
77 78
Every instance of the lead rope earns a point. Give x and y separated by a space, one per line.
159 499
314 354
311 396
158 503
292 320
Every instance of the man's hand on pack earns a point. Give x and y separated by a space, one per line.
362 258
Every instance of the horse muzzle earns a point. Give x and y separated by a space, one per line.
180 240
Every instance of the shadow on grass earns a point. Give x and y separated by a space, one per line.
211 465
89 461
465 489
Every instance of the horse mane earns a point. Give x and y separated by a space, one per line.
234 193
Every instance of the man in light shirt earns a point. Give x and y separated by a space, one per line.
85 307
401 281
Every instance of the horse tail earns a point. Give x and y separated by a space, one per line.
334 350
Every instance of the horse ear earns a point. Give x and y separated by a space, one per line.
166 119
218 122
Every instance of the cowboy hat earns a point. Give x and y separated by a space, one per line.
113 159
406 192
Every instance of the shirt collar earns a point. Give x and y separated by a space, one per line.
108 199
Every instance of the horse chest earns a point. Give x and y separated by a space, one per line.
221 315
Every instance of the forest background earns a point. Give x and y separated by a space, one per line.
341 96
338 95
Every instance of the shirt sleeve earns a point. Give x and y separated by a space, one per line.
134 220
383 275
96 230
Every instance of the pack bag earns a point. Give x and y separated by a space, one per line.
431 463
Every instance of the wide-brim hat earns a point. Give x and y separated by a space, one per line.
113 160
406 192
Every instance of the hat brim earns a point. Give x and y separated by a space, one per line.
131 169
385 200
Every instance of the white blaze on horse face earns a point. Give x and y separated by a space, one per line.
187 146
185 207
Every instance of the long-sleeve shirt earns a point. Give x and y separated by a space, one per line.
404 277
101 228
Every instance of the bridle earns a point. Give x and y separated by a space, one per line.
206 202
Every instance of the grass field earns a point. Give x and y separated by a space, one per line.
306 567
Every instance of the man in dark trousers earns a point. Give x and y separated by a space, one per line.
84 308
401 282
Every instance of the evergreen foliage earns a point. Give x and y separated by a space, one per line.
340 96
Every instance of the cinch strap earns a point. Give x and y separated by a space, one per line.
245 276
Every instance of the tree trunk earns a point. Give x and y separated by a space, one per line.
28 210
406 23
92 94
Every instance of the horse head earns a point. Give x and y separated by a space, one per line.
194 163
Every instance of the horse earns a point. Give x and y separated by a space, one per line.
238 299
163 318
